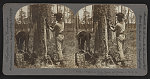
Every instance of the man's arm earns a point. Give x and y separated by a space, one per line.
53 28
49 26
114 28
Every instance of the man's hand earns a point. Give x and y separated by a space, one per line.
112 27
51 28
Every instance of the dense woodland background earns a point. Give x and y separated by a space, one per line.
42 42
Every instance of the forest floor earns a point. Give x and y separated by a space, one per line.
70 48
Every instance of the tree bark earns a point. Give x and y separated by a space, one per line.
39 42
102 13
128 17
93 19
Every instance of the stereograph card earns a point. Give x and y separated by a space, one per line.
75 39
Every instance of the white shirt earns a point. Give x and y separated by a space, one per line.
121 27
61 27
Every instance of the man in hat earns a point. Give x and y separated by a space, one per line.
58 28
120 36
83 37
21 37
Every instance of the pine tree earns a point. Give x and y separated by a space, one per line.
103 14
39 28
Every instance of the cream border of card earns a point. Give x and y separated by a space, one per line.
9 11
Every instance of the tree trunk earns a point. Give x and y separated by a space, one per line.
77 24
121 9
128 17
57 8
64 14
100 31
85 19
39 41
102 13
93 19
